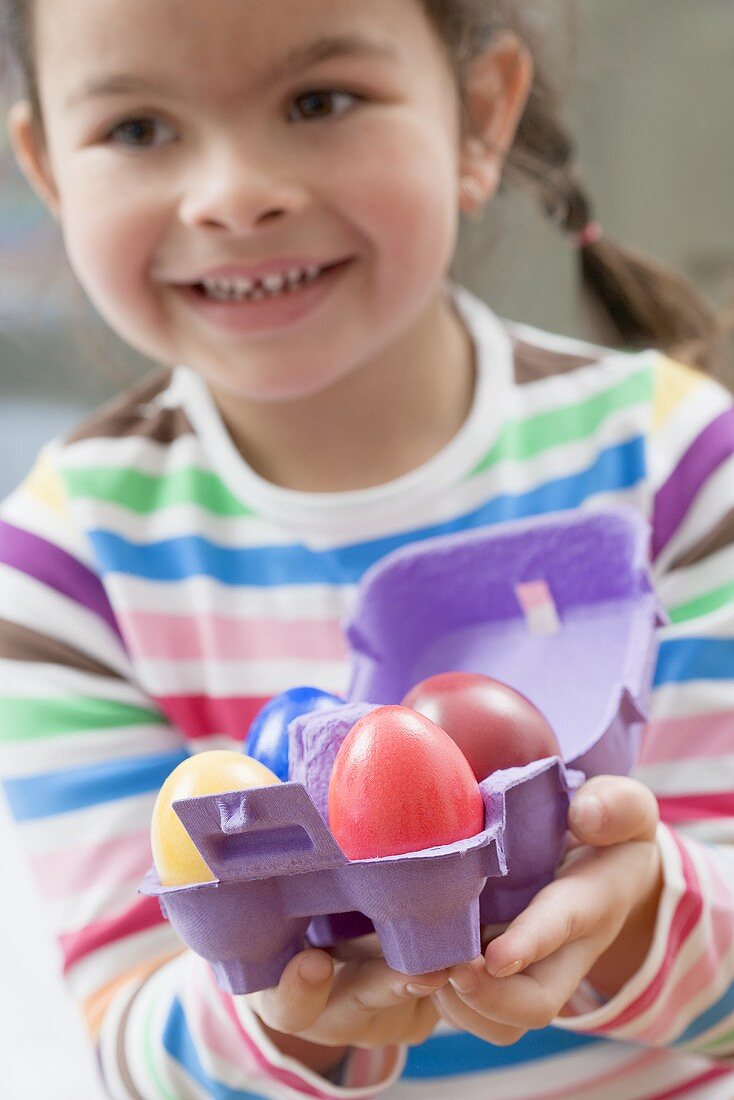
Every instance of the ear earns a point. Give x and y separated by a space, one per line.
496 91
29 149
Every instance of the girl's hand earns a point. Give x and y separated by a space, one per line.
595 920
349 997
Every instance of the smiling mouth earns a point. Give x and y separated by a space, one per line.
261 292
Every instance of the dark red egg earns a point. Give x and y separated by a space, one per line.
494 726
400 784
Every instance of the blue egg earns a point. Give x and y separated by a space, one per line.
267 739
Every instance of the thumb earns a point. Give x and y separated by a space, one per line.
612 809
300 996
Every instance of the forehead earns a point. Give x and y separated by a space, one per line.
226 41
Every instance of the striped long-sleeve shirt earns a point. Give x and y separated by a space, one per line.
154 592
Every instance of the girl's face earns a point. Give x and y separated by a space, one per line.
186 137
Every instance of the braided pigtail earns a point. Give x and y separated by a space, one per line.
648 304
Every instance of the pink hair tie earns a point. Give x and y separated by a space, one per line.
592 233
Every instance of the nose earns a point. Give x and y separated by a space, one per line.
234 194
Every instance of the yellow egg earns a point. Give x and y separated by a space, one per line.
176 859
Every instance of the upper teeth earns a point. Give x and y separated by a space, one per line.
272 284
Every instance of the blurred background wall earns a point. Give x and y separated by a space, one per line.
654 115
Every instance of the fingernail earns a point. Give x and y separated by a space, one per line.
508 971
587 815
419 990
315 968
464 980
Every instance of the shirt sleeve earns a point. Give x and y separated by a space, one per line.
683 995
83 752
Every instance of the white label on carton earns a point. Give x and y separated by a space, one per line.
538 607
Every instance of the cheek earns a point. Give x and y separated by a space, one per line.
110 245
405 202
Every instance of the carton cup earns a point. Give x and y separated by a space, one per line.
562 609
253 919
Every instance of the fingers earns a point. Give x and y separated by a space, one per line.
420 1027
372 1005
463 1017
301 994
592 897
520 1003
360 1000
370 985
611 809
558 914
536 964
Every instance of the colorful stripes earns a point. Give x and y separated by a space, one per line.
71 871
703 605
678 809
220 638
697 1082
678 739
451 1055
50 793
723 1008
698 967
24 719
178 1044
685 919
523 439
47 563
204 715
220 601
145 493
95 1006
174 560
272 1072
683 659
712 447
674 384
145 913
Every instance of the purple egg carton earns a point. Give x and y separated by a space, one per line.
562 609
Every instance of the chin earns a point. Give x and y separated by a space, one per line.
270 391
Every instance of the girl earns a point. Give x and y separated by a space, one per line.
263 197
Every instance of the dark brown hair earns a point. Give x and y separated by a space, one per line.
648 304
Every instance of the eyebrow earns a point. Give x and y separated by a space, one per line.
303 57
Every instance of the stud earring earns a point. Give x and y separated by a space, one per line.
473 191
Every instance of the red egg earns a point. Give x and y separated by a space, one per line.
494 726
400 784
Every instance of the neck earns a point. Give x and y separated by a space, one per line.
385 418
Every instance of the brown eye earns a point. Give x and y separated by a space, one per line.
323 104
136 132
